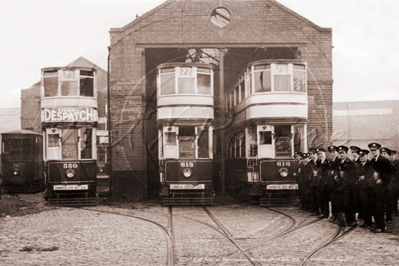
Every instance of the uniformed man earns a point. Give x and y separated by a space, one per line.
331 186
346 182
382 171
314 183
386 153
354 150
365 202
297 171
305 177
395 181
322 167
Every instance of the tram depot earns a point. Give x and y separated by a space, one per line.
201 98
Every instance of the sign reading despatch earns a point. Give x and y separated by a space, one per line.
77 114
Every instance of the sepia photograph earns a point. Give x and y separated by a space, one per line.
199 132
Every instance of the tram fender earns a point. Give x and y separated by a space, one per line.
256 190
164 192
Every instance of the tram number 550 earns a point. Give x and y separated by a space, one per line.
283 163
187 164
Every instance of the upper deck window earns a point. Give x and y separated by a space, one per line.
168 82
299 78
68 82
263 79
282 78
190 80
50 83
86 83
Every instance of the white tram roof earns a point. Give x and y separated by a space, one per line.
69 68
21 132
179 64
278 61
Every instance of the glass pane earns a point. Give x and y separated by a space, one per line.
86 87
301 67
86 143
299 135
28 149
170 138
203 143
263 81
168 70
50 86
204 84
242 146
53 140
299 81
260 67
168 84
70 144
101 154
282 82
204 70
265 138
282 138
187 147
186 86
236 96
242 90
69 88
13 149
252 139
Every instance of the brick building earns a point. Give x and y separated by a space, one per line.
234 33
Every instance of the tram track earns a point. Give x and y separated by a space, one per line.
340 234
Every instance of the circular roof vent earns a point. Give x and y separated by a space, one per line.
220 17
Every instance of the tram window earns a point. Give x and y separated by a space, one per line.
299 81
12 149
282 82
50 84
168 83
170 138
186 85
86 86
53 140
242 146
187 142
265 137
70 144
203 84
242 90
282 136
252 141
86 143
69 88
263 81
28 147
203 143
299 135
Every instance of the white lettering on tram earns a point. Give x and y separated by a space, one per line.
69 115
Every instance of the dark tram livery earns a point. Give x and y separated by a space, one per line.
268 108
69 122
22 161
185 113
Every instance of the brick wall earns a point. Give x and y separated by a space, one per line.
186 24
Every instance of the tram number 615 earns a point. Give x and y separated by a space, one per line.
283 163
187 164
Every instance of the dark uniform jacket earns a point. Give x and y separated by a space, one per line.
323 169
314 179
384 168
395 176
348 178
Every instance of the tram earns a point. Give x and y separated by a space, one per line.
69 121
185 113
22 161
268 106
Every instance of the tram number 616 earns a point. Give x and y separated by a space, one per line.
187 164
283 163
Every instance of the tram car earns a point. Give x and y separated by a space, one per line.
69 122
22 161
268 105
185 115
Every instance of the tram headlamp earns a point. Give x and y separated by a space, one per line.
187 172
283 172
16 172
70 173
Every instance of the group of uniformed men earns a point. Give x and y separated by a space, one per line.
347 190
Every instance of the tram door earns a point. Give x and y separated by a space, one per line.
53 151
265 141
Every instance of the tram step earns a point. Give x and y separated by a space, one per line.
186 201
72 202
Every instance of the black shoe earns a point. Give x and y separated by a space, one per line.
378 230
387 230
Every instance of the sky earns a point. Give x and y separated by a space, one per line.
45 33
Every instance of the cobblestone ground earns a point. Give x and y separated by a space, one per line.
68 236
65 236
